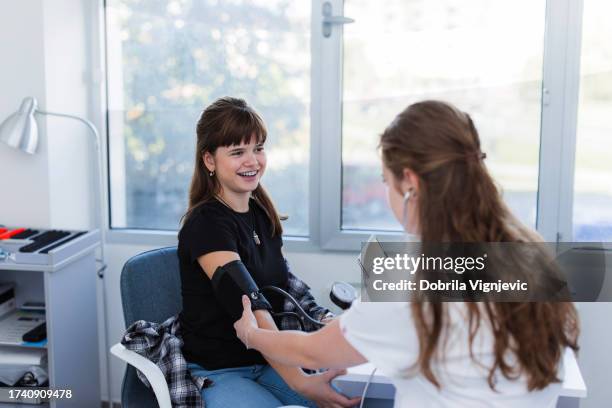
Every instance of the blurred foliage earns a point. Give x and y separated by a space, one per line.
177 57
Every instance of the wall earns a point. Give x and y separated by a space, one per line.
595 359
39 44
66 91
21 74
44 54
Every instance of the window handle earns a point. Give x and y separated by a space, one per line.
329 19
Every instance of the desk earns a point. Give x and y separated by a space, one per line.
382 390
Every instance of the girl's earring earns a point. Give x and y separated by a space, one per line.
212 173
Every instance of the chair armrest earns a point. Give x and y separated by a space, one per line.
150 371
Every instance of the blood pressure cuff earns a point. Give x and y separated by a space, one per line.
233 280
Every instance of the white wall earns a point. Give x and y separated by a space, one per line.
595 356
21 74
44 55
66 92
42 45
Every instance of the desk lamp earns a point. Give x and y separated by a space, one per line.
20 132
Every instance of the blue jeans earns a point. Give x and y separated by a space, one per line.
247 387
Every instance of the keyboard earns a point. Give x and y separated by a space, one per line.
42 247
43 240
25 234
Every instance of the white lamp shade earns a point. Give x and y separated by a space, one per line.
20 130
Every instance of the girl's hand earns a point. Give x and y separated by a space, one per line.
246 323
328 319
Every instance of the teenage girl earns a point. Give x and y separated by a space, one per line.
232 223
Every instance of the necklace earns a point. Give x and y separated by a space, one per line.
252 226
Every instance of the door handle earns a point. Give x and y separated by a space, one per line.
329 19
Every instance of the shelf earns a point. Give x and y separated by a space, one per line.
40 345
67 284
20 322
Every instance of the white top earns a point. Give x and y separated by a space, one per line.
385 335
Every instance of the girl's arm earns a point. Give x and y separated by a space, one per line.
326 348
314 387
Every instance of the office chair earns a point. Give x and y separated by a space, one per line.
150 290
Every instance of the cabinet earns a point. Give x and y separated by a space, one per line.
68 288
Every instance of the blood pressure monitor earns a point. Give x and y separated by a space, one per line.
342 294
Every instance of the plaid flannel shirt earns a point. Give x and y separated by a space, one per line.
161 343
301 292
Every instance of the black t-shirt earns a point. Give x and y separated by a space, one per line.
208 330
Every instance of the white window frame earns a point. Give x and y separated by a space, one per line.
559 110
561 79
561 82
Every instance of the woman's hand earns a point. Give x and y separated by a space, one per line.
246 323
317 388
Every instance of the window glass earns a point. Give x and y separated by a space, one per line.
167 60
593 175
483 56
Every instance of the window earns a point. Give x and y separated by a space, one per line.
326 93
468 53
169 60
592 220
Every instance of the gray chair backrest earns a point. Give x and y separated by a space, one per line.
151 286
151 291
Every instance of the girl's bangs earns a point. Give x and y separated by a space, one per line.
241 128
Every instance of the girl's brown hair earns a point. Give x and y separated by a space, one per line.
227 121
458 201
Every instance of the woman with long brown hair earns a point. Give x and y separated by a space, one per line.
479 354
231 227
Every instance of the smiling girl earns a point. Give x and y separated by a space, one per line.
232 223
